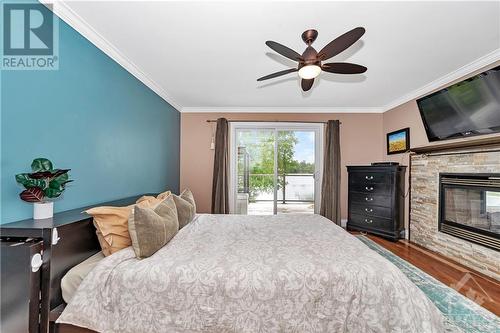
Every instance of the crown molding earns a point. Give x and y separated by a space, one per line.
65 13
274 109
445 80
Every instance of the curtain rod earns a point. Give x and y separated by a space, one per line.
270 121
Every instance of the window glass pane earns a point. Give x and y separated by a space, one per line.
255 170
492 202
473 207
296 158
259 191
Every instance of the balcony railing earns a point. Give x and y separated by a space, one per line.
298 187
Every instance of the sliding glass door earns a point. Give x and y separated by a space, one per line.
275 168
255 171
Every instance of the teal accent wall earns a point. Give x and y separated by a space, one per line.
118 137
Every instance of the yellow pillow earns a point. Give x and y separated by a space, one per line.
112 224
144 198
104 245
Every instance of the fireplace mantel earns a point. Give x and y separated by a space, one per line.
482 142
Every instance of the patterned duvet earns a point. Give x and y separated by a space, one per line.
230 273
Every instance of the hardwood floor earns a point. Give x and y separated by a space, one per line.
474 285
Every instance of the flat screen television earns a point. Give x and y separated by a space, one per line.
470 107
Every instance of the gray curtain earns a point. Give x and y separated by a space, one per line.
330 187
220 191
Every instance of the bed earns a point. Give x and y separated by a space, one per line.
229 273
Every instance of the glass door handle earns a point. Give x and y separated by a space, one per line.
316 175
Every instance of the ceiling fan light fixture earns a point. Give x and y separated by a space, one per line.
309 72
311 63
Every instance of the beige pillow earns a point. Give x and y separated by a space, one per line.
186 207
188 196
151 228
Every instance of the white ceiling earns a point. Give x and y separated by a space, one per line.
206 56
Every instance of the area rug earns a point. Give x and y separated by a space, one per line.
459 310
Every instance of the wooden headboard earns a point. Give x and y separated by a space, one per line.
76 241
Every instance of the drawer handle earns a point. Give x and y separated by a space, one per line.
369 177
368 199
369 188
368 221
368 210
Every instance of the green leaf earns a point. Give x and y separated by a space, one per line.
54 184
52 193
62 178
28 182
41 164
22 178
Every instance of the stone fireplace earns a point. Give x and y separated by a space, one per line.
455 206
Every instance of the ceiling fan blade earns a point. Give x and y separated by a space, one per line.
341 43
307 84
273 75
343 68
284 51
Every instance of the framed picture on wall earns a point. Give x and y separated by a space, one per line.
398 141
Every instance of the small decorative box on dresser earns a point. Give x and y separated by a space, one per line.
376 199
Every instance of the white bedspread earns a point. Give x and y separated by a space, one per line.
285 273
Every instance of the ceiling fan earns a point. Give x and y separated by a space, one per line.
310 62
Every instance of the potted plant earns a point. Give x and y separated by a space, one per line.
41 185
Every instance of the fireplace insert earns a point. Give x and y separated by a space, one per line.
469 207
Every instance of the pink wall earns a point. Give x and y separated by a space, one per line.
408 115
361 143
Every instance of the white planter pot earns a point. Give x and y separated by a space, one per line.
43 210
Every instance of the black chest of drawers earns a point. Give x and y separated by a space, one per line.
376 199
